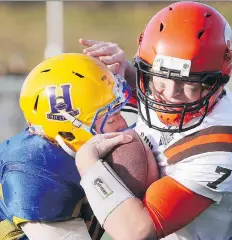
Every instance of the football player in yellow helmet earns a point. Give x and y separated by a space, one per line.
66 97
66 100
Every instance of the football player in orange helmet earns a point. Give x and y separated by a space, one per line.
183 62
66 100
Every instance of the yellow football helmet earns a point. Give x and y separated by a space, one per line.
64 95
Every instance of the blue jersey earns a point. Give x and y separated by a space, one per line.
40 182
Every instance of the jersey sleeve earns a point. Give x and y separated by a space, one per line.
39 181
202 161
36 194
172 206
208 174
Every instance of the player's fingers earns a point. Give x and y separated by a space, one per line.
95 48
87 42
101 49
110 141
109 135
101 137
120 139
114 68
114 58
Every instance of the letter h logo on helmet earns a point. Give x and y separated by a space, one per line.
58 103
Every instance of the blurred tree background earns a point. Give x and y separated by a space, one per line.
23 27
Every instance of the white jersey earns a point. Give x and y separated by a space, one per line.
202 162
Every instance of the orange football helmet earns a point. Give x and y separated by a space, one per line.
186 41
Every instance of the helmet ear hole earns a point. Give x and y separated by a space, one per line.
36 103
200 34
161 27
67 135
207 15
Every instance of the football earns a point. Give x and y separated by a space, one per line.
135 164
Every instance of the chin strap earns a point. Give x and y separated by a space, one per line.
64 146
38 130
74 121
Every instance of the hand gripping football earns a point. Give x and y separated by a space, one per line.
135 164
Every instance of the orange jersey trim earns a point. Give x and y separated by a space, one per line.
172 205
